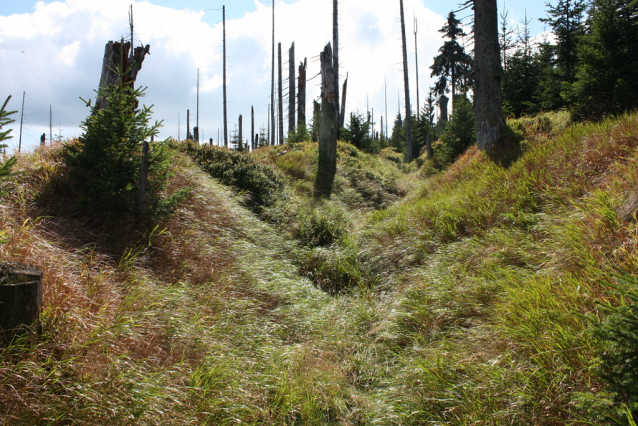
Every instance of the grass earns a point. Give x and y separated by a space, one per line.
461 297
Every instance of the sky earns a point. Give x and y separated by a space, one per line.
52 51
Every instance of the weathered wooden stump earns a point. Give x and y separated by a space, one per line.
20 300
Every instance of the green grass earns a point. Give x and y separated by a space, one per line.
461 297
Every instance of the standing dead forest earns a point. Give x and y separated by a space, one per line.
475 265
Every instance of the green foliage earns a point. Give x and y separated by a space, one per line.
104 164
262 182
321 226
459 133
358 134
607 77
300 134
6 166
452 63
619 366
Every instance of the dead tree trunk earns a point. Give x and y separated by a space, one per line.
252 126
335 55
408 114
316 118
281 101
428 146
240 142
342 115
20 300
225 104
488 114
301 97
117 60
188 125
416 65
443 101
271 140
292 110
327 166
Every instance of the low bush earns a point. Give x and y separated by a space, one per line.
264 184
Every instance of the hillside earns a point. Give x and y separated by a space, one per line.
464 297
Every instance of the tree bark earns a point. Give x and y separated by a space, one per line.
240 143
252 126
408 113
292 110
327 166
488 115
335 54
20 300
316 118
342 115
301 97
271 139
281 102
225 103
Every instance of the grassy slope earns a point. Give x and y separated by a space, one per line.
482 279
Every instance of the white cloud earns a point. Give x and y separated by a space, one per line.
63 45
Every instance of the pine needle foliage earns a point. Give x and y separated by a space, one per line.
7 165
104 164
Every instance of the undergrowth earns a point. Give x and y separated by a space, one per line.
472 296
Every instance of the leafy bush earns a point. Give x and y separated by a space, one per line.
618 331
264 184
104 164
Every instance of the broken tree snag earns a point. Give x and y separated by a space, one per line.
342 113
20 300
488 115
327 166
443 101
292 107
116 57
301 97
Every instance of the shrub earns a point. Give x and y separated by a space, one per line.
104 164
264 184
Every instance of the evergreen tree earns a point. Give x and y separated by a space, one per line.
397 140
566 20
452 63
607 76
357 132
104 165
459 133
6 165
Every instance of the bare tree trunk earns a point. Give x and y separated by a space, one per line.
281 102
225 103
342 116
327 166
443 101
240 143
428 146
292 110
301 97
272 87
316 118
252 126
335 55
188 125
488 115
416 61
408 113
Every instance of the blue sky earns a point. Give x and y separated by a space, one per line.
52 50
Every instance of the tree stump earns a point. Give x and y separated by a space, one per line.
116 56
20 300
